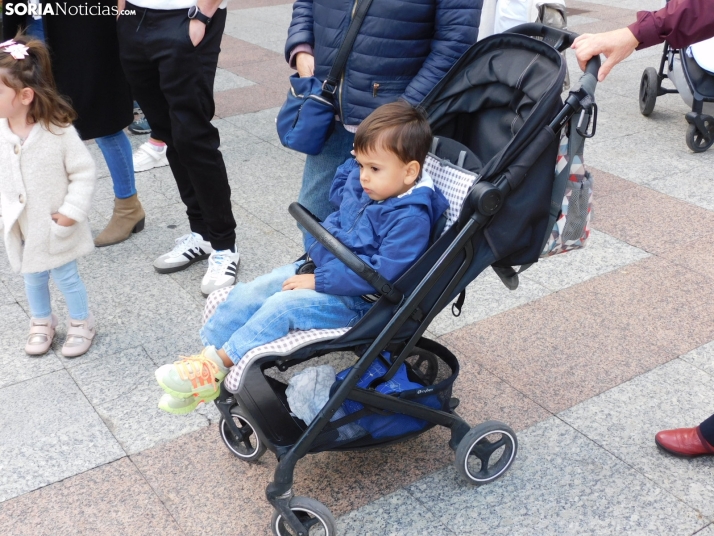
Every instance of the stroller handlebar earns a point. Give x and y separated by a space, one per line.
312 225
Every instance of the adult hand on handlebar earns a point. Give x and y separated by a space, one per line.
615 45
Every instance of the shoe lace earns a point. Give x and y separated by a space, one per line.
218 261
197 369
183 243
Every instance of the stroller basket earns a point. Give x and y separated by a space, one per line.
497 115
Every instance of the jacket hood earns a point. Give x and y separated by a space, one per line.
425 193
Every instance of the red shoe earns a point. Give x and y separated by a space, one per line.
684 442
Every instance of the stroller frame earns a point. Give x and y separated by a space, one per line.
700 132
483 202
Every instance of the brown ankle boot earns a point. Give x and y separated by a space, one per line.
128 218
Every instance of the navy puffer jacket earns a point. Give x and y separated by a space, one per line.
403 49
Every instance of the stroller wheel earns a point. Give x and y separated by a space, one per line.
649 85
249 448
486 452
313 514
697 141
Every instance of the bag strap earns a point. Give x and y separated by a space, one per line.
329 86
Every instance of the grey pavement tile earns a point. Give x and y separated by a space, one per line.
695 186
168 347
227 80
625 419
486 296
262 26
398 514
6 297
138 424
49 432
706 531
602 254
560 483
650 5
114 376
16 365
702 358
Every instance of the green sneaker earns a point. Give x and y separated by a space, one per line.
196 376
183 406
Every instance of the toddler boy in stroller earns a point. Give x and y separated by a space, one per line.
388 206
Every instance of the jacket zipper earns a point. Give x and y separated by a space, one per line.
342 74
359 215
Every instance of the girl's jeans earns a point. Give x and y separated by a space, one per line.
320 170
259 312
116 149
67 279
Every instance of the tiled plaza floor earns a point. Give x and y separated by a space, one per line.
592 355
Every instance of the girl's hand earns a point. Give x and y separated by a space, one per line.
306 281
61 219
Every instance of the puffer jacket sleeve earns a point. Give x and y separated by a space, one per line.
81 173
338 183
300 31
404 244
456 30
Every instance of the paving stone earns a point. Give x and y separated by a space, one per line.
52 433
486 296
398 514
138 423
702 358
625 420
111 499
650 5
602 254
16 365
227 80
560 483
262 26
706 531
695 186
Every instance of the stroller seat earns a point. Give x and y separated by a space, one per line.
445 166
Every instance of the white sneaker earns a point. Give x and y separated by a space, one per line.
189 248
146 157
222 268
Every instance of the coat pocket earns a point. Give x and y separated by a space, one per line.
61 238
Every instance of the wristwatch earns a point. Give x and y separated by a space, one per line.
194 12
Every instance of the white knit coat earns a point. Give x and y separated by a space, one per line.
51 172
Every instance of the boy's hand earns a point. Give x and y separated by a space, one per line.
306 281
61 219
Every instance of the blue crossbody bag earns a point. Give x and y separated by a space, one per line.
307 118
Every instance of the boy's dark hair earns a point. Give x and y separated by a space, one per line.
34 71
397 127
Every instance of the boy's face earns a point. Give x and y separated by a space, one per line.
383 175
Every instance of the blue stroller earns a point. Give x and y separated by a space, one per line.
497 117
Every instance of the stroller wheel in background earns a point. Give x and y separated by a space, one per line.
649 86
313 514
696 140
486 452
248 448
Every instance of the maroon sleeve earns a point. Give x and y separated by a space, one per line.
680 23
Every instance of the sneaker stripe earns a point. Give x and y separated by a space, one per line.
188 254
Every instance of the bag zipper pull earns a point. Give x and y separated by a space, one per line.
375 87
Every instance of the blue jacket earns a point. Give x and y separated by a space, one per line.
403 48
388 235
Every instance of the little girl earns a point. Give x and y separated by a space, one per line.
46 183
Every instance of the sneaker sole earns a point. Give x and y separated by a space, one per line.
172 269
234 282
152 166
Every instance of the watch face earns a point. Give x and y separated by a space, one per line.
192 12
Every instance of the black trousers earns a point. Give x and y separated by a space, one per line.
173 83
707 428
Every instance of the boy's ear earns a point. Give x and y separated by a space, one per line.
412 172
27 95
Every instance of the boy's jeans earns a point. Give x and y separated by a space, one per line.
259 312
116 149
67 279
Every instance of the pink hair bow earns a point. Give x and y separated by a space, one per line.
16 50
